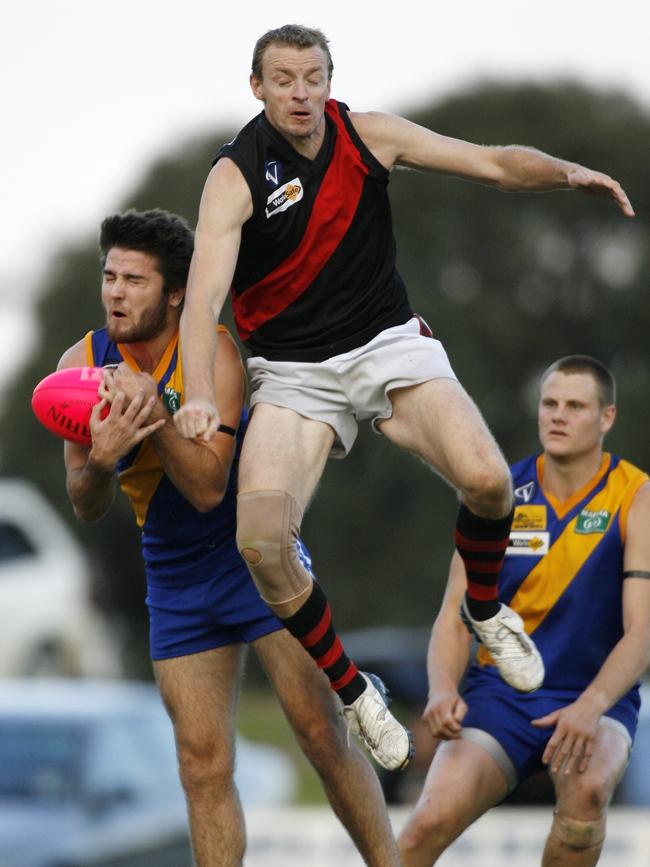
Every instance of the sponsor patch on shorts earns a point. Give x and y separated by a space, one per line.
530 543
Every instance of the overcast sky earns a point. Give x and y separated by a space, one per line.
93 90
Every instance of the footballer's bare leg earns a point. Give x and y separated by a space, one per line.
463 782
200 694
578 831
350 782
282 461
438 421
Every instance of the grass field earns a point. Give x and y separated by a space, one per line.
260 718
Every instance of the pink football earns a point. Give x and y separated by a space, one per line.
64 400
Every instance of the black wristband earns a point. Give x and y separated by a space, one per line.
636 573
227 430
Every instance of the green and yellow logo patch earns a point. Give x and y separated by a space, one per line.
171 399
592 522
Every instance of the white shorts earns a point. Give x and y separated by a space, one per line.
354 386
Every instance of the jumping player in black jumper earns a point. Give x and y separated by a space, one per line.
295 219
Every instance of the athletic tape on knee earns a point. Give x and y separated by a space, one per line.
577 833
268 528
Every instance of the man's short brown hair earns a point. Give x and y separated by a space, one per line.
294 35
602 375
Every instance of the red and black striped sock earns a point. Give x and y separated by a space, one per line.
482 543
312 626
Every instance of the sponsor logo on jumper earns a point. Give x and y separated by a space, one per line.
529 518
91 374
592 522
525 492
273 172
529 543
284 197
171 399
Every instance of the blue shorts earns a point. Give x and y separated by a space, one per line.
223 609
496 708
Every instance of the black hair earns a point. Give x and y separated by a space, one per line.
159 233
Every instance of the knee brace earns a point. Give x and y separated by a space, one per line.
577 833
268 528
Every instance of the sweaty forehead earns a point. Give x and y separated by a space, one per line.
278 57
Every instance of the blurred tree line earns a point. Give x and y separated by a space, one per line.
508 282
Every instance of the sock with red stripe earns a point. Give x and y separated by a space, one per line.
312 626
482 543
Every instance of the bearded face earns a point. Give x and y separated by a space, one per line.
136 305
140 325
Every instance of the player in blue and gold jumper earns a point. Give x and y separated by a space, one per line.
577 571
203 606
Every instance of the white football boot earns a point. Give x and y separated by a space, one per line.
368 717
513 652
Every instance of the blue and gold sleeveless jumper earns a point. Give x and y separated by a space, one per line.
563 574
199 591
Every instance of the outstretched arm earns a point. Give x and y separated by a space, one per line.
447 659
575 724
396 141
226 204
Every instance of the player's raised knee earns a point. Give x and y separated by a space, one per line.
262 528
268 526
489 489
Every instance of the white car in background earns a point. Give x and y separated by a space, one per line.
88 776
48 624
